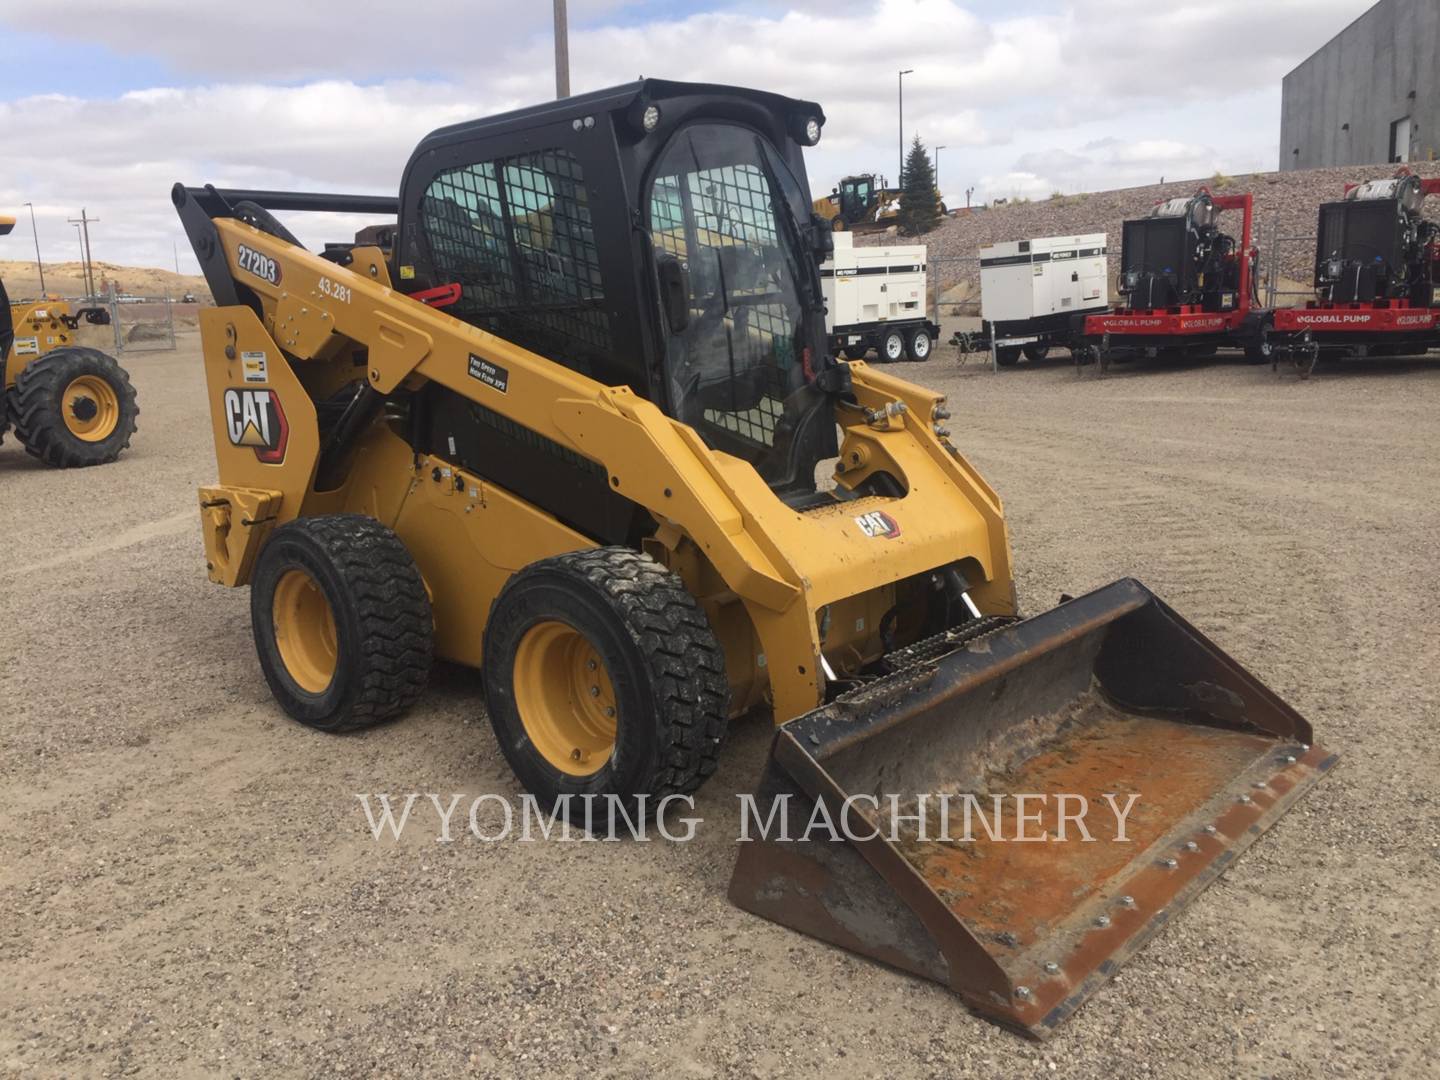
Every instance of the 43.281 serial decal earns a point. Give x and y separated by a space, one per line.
257 263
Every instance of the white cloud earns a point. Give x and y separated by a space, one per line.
1068 96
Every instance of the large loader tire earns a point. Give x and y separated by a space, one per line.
342 622
603 677
74 407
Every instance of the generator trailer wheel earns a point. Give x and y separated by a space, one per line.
892 347
919 347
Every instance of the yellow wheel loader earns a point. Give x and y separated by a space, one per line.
576 427
71 405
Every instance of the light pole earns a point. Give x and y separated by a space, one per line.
562 51
38 264
900 85
937 169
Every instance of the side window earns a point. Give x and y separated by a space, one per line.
516 235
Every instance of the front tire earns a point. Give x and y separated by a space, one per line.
74 407
1007 355
1035 352
603 677
919 347
342 622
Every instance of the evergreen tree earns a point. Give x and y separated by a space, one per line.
919 201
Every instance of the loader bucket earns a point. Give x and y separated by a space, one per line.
1109 694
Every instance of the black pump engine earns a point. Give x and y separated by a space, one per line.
1374 245
1178 256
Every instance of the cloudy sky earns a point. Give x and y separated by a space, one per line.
124 97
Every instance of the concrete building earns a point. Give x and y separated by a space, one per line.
1372 94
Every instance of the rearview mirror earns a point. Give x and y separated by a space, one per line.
822 237
674 291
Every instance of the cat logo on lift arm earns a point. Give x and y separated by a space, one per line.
877 523
255 419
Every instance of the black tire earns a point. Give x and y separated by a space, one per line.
1258 353
920 345
857 352
382 624
892 347
665 670
1007 355
39 408
1035 352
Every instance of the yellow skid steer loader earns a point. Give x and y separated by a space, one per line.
71 405
570 420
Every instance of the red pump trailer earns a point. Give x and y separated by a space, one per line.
1187 287
1377 277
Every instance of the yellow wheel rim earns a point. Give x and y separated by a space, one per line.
92 408
304 631
566 702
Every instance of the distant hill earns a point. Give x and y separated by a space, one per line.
1287 200
64 279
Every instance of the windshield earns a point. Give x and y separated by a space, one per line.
741 369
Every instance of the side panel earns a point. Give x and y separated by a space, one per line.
266 432
467 538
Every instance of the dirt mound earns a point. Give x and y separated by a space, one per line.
65 279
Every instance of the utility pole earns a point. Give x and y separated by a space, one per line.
38 264
175 250
562 51
88 266
900 84
937 169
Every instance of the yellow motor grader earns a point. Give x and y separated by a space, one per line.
570 420
71 405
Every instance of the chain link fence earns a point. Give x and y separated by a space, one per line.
142 323
1270 268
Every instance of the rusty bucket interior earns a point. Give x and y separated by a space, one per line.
1018 815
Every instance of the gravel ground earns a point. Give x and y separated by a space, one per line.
188 885
1287 201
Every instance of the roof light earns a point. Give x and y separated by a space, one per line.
812 131
650 118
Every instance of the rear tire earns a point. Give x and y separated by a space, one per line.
919 347
892 347
74 407
1007 355
342 622
603 677
1035 352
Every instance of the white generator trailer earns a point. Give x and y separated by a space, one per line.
1032 290
875 299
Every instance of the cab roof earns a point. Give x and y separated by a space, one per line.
612 99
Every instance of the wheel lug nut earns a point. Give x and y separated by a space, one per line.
590 664
594 691
610 713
